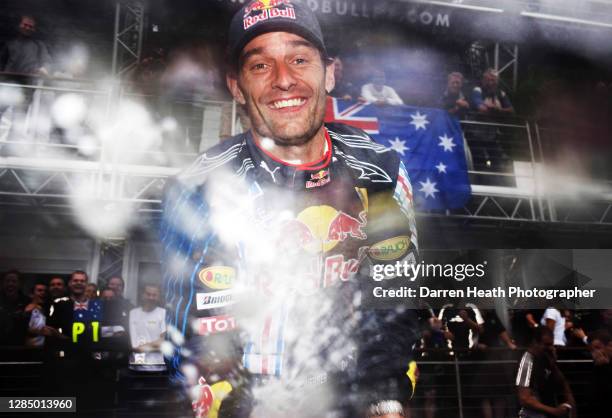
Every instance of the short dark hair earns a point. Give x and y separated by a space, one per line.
155 285
39 283
116 277
14 272
79 272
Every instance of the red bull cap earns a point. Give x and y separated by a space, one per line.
263 16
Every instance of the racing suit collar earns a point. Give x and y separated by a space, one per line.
296 176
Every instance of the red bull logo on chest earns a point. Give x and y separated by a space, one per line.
318 229
268 9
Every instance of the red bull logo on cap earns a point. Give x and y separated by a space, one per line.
269 10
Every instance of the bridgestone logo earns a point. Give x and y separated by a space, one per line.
213 300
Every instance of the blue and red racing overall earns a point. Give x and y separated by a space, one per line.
265 264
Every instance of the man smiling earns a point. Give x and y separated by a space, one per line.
269 238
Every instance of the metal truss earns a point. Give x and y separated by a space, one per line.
505 61
109 259
508 208
599 213
127 42
46 184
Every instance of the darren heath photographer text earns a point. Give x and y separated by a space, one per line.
474 292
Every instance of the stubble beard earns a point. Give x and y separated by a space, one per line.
266 128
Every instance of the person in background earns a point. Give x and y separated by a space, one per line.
488 98
57 288
435 342
117 284
554 319
491 340
91 291
378 93
107 294
148 331
453 100
13 317
600 347
37 328
539 382
76 307
524 322
25 54
23 58
343 88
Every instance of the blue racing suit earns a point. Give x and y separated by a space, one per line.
266 263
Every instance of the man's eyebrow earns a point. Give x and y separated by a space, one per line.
250 53
301 42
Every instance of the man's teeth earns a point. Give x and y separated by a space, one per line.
286 103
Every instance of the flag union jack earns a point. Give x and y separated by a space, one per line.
358 114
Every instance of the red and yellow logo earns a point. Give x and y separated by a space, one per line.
217 277
318 229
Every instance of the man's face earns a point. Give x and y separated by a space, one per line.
455 84
40 292
282 81
378 82
116 284
489 82
338 70
77 284
150 296
107 294
91 291
27 26
10 285
57 288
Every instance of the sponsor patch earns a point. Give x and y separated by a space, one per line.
318 179
216 324
217 277
213 300
390 249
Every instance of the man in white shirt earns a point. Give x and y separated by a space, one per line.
554 319
148 331
376 92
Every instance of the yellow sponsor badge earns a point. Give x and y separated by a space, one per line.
217 277
390 249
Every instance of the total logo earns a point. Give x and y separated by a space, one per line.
269 10
213 300
319 229
215 324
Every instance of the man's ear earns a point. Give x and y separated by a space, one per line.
330 79
232 84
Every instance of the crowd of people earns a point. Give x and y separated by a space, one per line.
78 323
78 319
479 338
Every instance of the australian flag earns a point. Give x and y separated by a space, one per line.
429 141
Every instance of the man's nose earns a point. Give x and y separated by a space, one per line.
284 78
